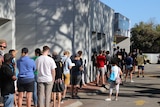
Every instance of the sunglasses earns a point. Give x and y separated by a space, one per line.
3 46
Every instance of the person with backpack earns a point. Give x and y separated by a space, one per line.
58 86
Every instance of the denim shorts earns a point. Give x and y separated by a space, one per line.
141 67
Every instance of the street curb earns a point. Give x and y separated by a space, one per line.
75 104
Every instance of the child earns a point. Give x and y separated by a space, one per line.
115 73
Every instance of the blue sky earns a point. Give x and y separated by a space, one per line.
137 10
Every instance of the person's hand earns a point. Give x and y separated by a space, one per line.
14 78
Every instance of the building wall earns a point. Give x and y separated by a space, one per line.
7 22
63 25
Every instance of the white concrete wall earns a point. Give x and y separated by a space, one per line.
63 25
7 22
153 57
125 44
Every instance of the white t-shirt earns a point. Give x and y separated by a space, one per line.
45 65
115 70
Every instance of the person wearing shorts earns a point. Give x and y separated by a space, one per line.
76 76
101 61
140 62
25 83
67 65
129 67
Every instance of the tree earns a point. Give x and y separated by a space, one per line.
146 37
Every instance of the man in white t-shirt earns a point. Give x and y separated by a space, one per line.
46 76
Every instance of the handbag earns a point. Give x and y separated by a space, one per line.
118 80
59 85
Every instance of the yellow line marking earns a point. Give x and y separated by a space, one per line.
140 102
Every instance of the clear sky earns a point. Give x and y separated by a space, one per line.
137 10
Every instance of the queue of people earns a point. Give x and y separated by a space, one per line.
120 64
45 77
39 77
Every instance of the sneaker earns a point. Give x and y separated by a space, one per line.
132 81
108 99
115 99
63 99
143 76
103 85
62 102
137 76
96 84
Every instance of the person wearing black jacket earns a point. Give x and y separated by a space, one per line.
7 78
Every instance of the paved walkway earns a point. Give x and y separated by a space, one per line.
144 89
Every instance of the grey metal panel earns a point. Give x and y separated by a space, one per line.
25 34
25 14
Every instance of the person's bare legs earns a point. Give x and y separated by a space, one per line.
131 73
59 99
138 72
20 98
28 99
64 92
15 99
97 82
126 75
54 99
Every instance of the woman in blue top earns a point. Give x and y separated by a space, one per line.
26 67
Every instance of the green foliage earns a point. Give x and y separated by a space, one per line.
146 37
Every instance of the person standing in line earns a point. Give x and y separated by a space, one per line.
115 72
129 67
25 82
76 76
94 64
101 61
82 83
46 77
58 80
134 56
13 65
7 77
67 66
140 62
35 99
3 46
108 63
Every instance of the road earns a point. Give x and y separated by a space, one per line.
144 92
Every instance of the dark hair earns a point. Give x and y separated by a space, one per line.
8 57
45 48
114 61
25 50
38 51
80 53
10 51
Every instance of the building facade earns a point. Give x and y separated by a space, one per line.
72 25
7 22
122 31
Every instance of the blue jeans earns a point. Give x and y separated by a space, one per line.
8 100
35 98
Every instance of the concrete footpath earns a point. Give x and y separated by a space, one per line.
144 92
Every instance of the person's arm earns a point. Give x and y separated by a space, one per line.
53 74
9 73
